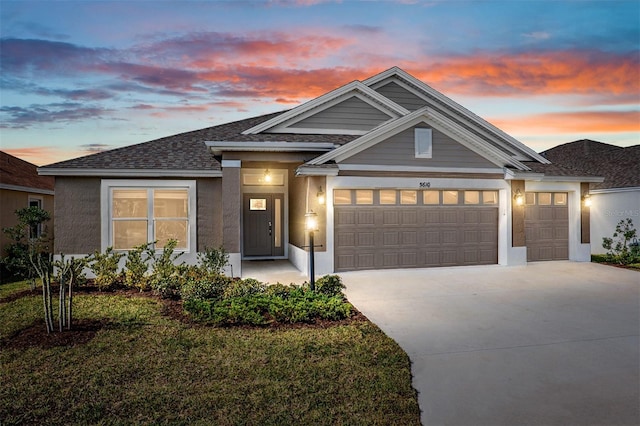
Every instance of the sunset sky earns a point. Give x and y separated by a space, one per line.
78 77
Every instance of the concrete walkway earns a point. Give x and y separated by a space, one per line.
553 343
272 271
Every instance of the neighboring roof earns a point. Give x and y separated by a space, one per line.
21 175
618 165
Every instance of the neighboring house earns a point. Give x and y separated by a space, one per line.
411 178
618 197
20 187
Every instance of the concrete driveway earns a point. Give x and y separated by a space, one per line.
553 343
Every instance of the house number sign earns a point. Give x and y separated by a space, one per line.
425 184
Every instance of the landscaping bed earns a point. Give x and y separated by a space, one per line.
133 357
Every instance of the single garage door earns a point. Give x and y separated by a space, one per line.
546 225
393 228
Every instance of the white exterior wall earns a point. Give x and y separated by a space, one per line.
608 207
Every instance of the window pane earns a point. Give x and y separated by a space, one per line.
130 203
472 197
544 198
129 233
387 196
342 196
408 197
489 197
431 197
277 231
450 197
530 198
364 196
560 199
257 204
170 203
166 230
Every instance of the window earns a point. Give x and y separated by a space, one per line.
364 196
530 198
560 199
449 197
431 197
342 196
423 145
387 196
408 197
141 212
489 197
35 231
544 198
472 197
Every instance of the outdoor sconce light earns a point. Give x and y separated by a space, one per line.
311 224
586 199
267 176
518 197
320 196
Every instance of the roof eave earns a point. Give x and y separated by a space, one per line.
128 172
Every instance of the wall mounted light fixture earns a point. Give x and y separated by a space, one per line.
518 197
320 196
267 176
586 199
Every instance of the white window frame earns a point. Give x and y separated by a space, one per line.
40 201
423 142
106 189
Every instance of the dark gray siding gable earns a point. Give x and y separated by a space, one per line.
350 114
399 150
401 96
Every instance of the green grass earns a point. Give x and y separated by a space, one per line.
145 368
11 288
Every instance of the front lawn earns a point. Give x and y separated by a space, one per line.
135 365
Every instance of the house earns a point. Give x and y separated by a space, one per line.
394 174
20 187
618 197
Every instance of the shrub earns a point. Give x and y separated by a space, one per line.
246 287
623 247
200 286
165 275
213 260
105 267
330 285
137 268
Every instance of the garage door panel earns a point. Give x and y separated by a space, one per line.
409 259
345 217
366 260
432 237
390 217
390 238
449 216
449 237
346 239
366 217
410 238
409 217
366 239
470 236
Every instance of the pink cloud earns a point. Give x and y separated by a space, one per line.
572 122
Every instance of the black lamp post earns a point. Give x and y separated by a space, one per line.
311 224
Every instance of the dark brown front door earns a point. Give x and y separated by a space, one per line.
263 225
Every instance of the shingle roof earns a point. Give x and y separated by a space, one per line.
187 151
17 172
618 165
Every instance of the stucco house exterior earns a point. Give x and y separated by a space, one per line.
20 187
614 199
397 174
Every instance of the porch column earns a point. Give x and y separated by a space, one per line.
585 215
231 208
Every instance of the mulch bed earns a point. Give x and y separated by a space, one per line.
82 331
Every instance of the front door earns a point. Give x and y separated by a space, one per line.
263 225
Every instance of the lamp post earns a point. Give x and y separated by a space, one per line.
311 224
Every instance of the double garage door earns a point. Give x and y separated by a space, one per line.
384 228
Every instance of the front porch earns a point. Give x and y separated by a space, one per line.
273 271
